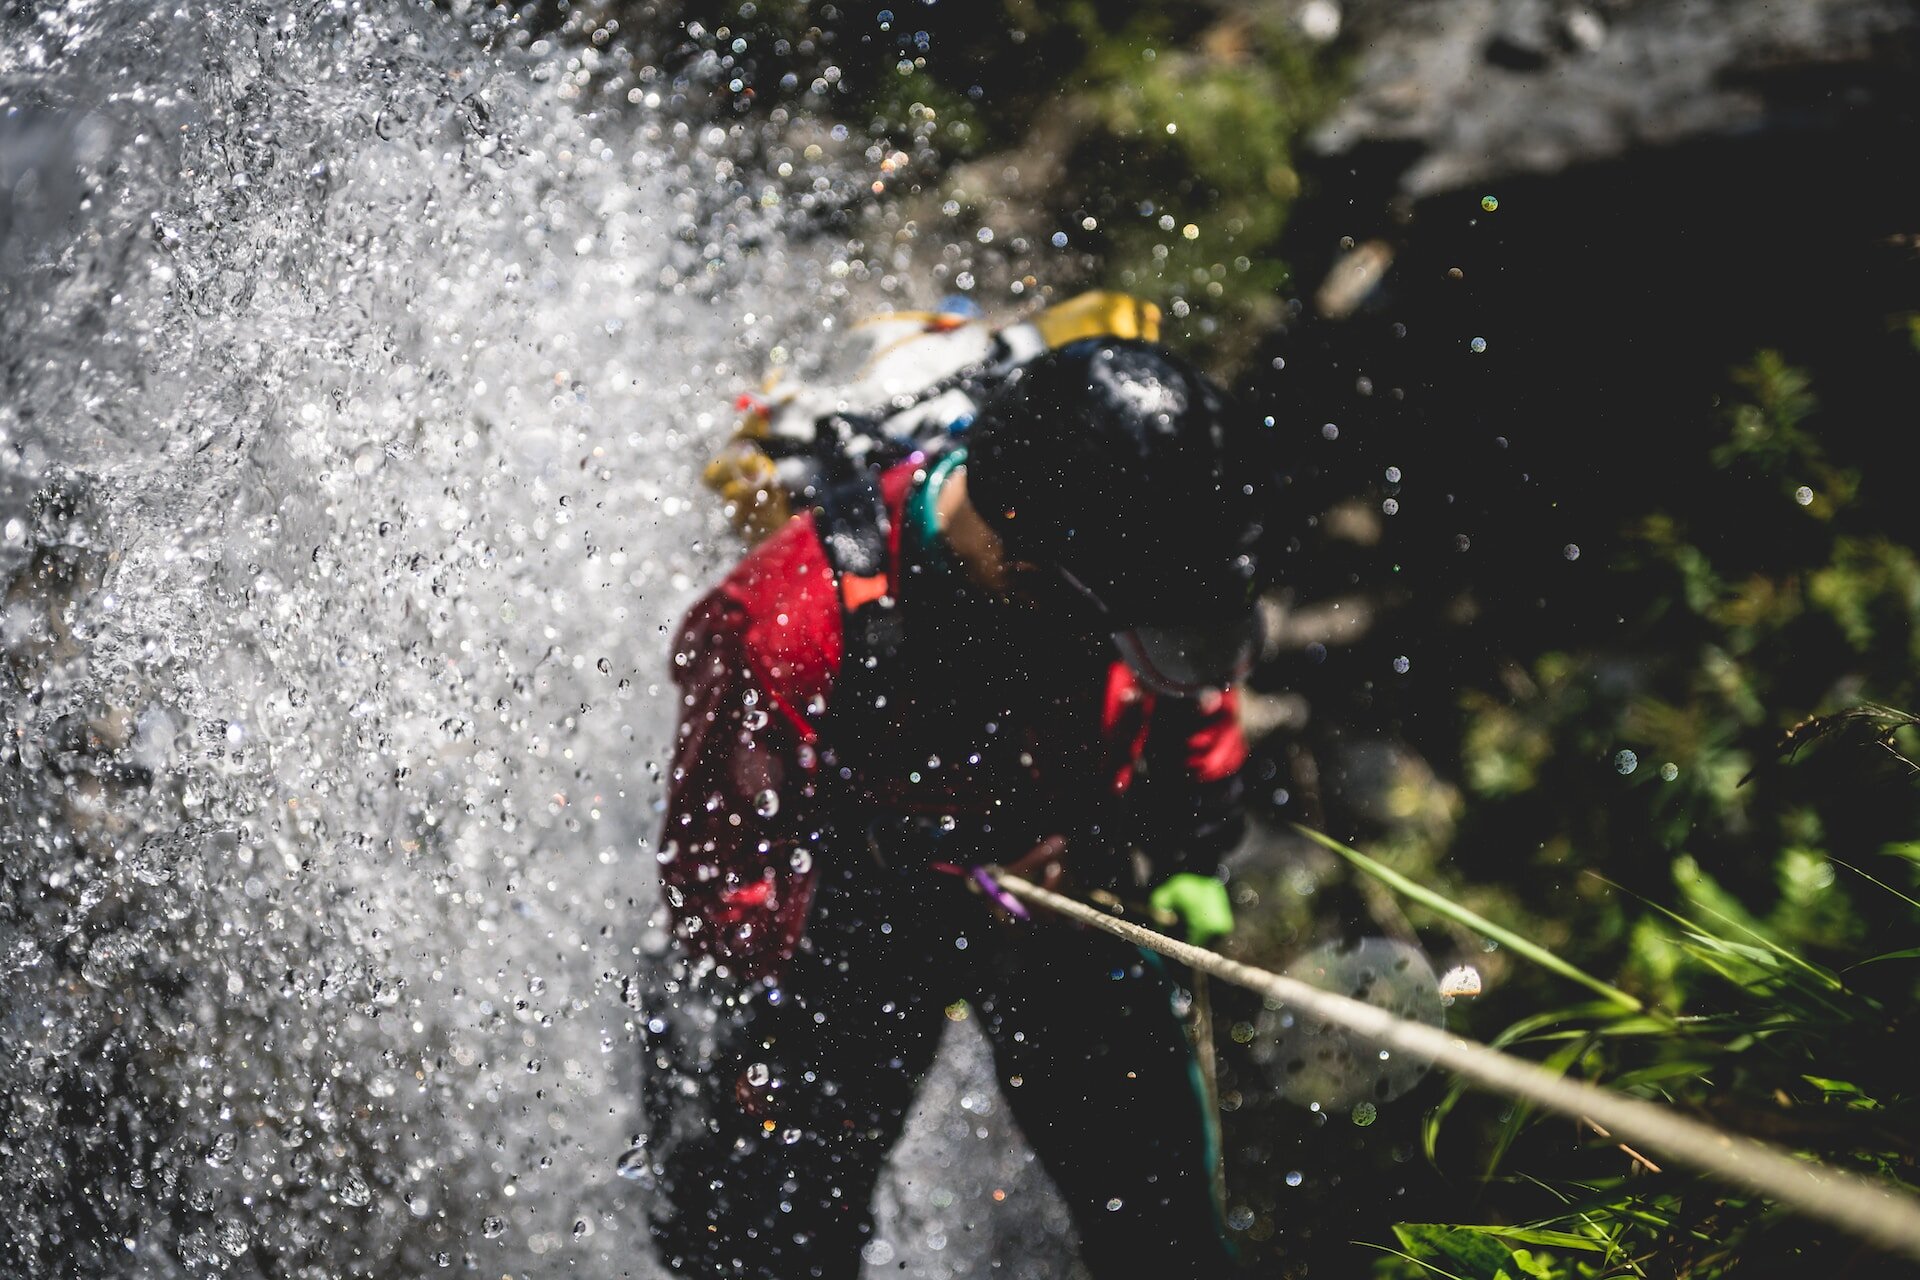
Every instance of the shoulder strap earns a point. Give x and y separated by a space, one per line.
855 530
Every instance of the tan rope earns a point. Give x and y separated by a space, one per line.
1873 1210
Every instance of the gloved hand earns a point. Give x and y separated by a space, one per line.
1042 865
1201 902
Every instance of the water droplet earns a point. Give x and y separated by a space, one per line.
1309 1061
1477 346
354 1190
767 803
1669 771
1490 203
493 1228
1240 1217
1295 1177
1803 495
1364 1113
1626 762
1571 551
1461 980
1113 1205
759 1074
1402 664
633 1164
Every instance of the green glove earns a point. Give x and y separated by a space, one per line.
1201 902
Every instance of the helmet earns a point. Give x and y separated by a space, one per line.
1125 470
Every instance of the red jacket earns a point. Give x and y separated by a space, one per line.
756 667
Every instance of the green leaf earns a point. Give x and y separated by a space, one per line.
1545 1236
1540 1268
1430 1128
1875 880
1716 902
1418 1262
1857 1098
1715 952
1559 1063
1908 849
1658 1073
1473 920
1478 1256
1911 953
1759 957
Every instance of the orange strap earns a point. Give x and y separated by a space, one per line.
859 589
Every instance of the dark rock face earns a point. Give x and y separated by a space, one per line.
1479 89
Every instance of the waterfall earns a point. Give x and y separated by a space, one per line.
357 377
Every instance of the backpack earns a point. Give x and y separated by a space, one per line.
919 378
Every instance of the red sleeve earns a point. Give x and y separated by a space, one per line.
736 870
1215 747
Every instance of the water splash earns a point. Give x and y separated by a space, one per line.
1323 1064
356 379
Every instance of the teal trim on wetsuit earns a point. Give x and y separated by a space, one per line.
922 526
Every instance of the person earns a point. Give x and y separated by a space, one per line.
1036 674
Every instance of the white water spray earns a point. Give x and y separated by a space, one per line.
356 380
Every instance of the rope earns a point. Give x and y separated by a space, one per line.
1873 1210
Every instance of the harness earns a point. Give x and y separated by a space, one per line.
873 795
856 533
842 457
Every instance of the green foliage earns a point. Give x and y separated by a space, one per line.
1189 145
1757 1063
1482 1253
1441 905
1778 610
1749 871
1167 131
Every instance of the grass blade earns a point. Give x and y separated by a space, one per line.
1870 879
1473 920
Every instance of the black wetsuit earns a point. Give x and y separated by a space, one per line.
806 1085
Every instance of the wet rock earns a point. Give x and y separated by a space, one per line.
1465 91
